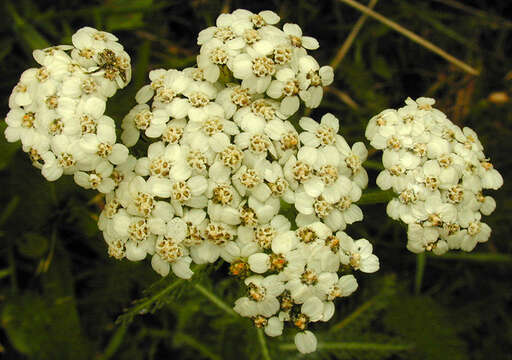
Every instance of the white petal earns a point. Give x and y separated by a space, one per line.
274 327
119 154
259 263
306 342
310 43
347 284
290 105
134 252
314 187
161 266
313 308
182 268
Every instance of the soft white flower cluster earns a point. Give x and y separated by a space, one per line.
265 58
298 278
222 166
439 172
57 110
223 163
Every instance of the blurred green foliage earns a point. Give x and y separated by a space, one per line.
61 297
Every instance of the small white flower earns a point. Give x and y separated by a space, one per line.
357 254
262 297
294 33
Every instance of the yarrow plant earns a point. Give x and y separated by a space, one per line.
230 171
439 172
57 110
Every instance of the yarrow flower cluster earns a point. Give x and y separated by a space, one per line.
439 172
57 110
222 159
225 173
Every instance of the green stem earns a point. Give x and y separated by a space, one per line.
9 209
190 341
263 343
354 346
143 306
361 309
421 260
215 299
114 343
474 257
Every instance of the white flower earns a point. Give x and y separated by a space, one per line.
255 69
81 84
331 286
319 134
352 160
62 160
98 179
439 171
421 238
438 212
357 254
215 53
304 272
476 232
381 127
21 125
491 178
294 33
262 299
312 78
88 37
408 206
103 144
285 86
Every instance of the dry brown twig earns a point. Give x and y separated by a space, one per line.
412 36
351 37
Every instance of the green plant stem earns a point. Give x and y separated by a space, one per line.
354 346
263 343
9 209
412 36
215 299
192 342
146 304
476 257
354 315
114 343
421 260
